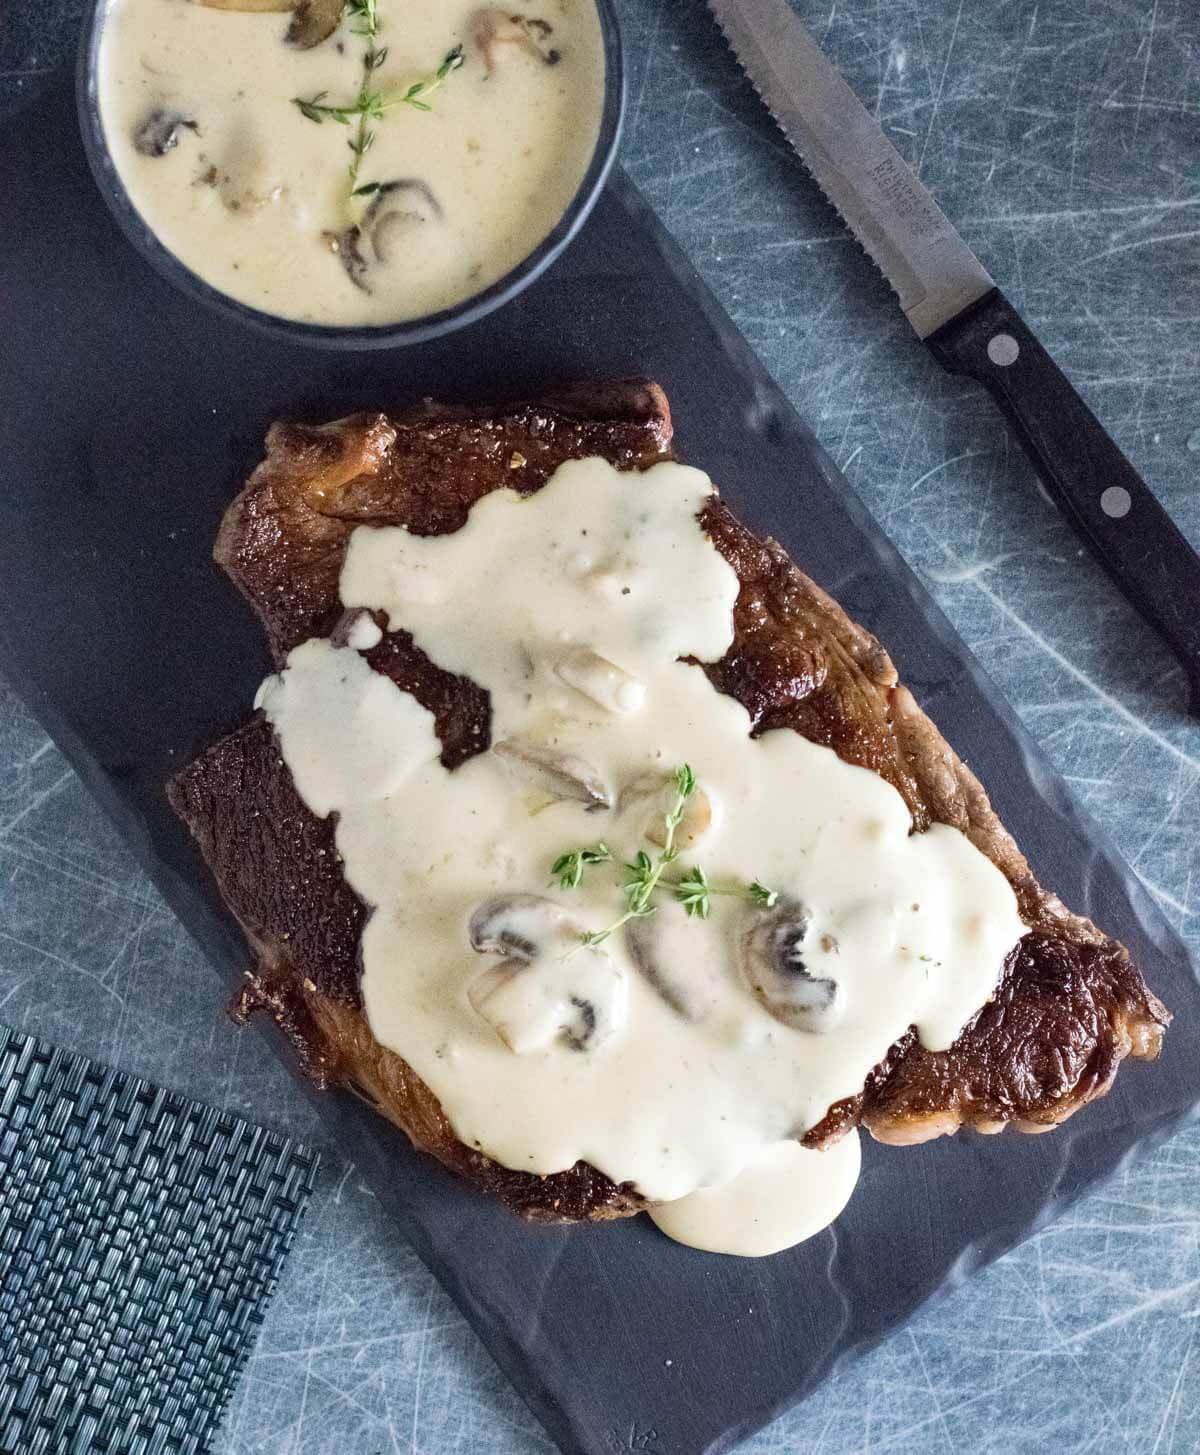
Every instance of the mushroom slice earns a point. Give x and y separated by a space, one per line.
772 956
523 925
489 1001
580 1003
556 770
493 27
346 245
387 233
603 681
656 792
419 199
396 207
312 22
158 131
665 953
534 998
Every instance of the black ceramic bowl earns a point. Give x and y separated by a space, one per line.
381 336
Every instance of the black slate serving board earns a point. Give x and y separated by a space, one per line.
129 415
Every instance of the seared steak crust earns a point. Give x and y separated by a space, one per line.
1070 1005
1065 1015
283 539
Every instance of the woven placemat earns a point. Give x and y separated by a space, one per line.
141 1235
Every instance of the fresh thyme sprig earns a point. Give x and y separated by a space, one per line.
364 11
643 875
416 93
568 868
695 893
370 104
367 14
646 875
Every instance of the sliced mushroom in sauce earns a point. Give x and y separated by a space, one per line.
312 22
651 795
557 771
346 244
158 131
659 948
540 994
518 924
395 208
602 681
773 946
377 241
493 28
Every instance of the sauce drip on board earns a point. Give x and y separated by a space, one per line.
473 154
675 1051
789 1194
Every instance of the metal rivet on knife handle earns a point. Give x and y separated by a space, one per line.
1003 350
1116 502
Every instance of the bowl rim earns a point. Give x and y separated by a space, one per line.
346 336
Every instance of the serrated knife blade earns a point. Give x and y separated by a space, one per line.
968 324
911 240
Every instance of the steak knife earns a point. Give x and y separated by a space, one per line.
969 325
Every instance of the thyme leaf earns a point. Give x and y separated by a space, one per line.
693 892
568 868
427 85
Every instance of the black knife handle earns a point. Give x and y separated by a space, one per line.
1091 481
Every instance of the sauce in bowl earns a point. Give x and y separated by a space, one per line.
347 169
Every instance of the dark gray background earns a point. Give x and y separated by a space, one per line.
1065 139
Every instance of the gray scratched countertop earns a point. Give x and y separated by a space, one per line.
1064 137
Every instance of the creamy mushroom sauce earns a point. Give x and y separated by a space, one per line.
198 112
694 1050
